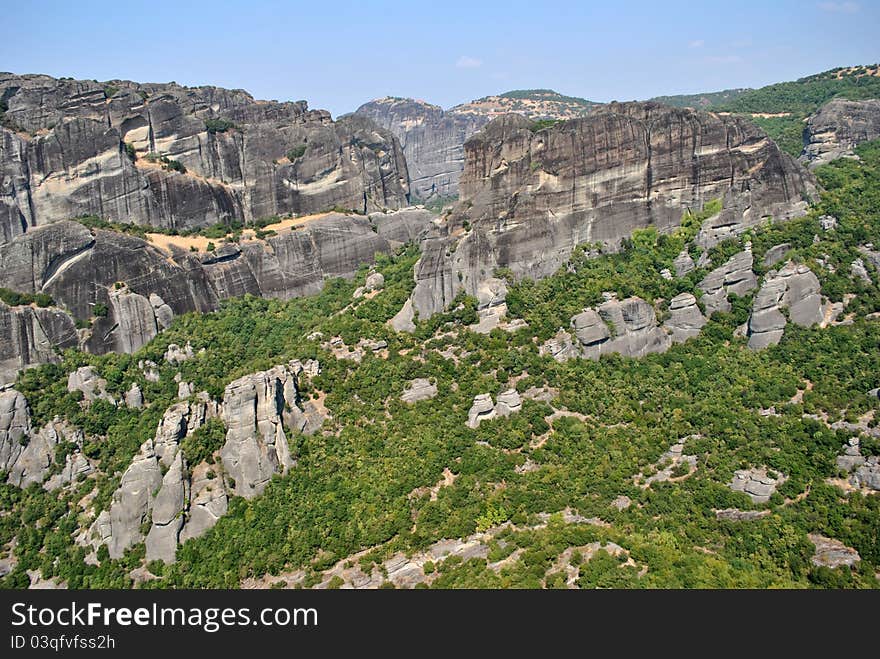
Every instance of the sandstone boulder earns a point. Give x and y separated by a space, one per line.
419 389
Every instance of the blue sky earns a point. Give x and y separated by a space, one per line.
339 54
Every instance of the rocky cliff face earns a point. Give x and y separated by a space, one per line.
142 285
162 499
432 140
78 147
837 128
527 198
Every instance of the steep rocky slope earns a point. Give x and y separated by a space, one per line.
433 139
529 197
179 157
837 128
139 286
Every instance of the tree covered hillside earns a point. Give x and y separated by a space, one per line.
563 492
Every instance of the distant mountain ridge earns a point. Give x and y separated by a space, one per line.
531 103
702 101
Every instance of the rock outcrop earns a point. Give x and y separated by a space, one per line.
89 148
163 500
508 402
432 141
626 327
27 454
756 483
419 389
837 128
30 336
734 276
832 553
794 288
482 409
86 380
527 198
407 225
256 444
80 269
685 318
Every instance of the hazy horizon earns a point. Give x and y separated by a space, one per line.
339 57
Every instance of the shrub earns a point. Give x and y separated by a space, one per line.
296 152
100 310
219 125
200 446
14 298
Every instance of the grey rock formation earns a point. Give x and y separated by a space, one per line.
832 553
527 198
86 380
185 389
432 140
590 329
375 281
508 402
30 336
561 347
147 497
208 502
635 330
767 323
491 306
827 222
403 319
135 317
482 409
120 526
685 318
256 445
407 225
134 397
755 483
872 255
15 427
683 264
838 127
794 288
167 520
174 354
733 276
163 313
269 158
79 270
858 270
27 454
775 254
76 467
852 455
867 474
418 389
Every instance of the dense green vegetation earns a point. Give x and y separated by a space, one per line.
805 95
546 95
361 482
219 125
797 99
14 298
296 152
701 101
541 124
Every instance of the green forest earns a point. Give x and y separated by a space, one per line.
798 99
362 482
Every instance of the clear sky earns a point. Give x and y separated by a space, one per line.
338 54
